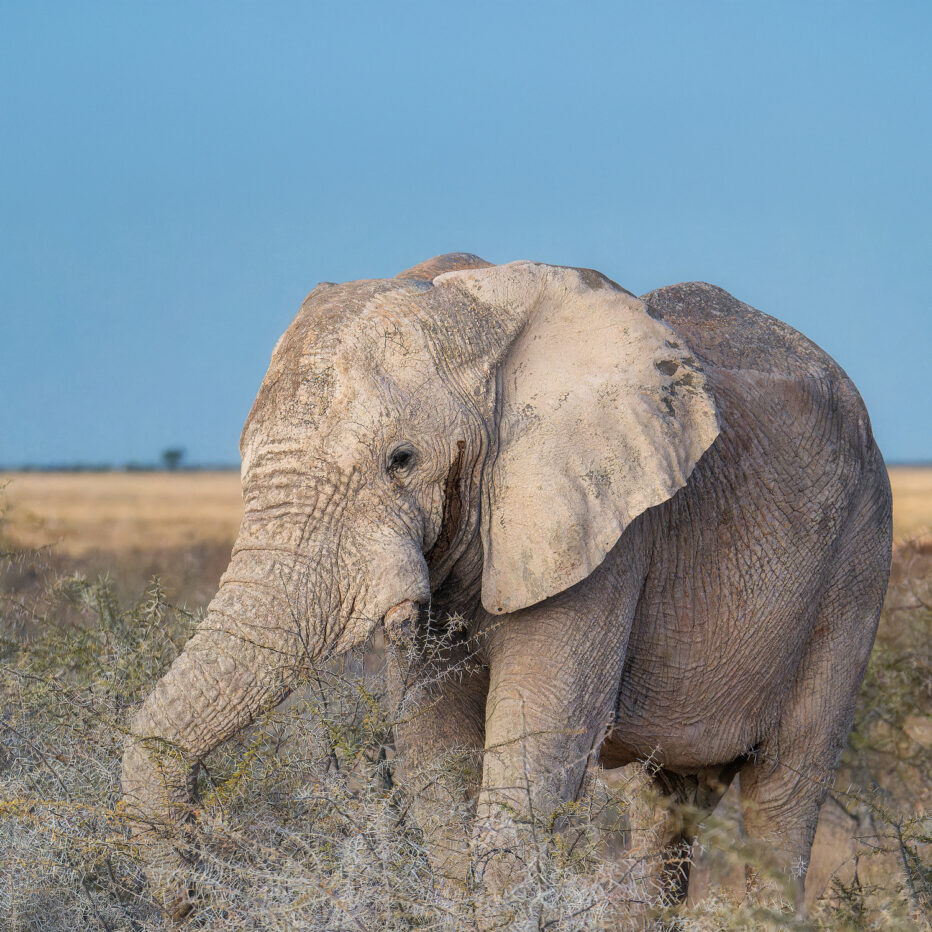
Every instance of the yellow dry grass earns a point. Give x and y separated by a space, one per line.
912 500
83 512
117 512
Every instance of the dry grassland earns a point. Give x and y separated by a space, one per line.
85 632
120 512
912 500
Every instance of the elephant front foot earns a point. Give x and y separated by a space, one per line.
168 871
506 855
777 889
175 897
158 806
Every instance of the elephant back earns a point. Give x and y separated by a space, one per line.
726 333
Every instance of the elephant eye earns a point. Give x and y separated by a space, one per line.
401 459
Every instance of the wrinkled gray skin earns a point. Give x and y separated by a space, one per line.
726 630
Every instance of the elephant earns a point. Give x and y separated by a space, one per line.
664 519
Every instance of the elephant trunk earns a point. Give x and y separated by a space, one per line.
243 659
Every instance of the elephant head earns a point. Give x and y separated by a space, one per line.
503 422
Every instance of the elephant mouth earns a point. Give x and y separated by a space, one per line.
401 622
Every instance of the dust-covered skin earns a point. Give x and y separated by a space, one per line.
665 519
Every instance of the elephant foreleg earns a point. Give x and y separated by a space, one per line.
438 708
555 671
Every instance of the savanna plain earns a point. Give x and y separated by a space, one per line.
303 819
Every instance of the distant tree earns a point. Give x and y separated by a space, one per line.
171 458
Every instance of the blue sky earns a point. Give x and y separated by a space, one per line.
175 177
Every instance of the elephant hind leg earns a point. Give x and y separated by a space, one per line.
784 783
685 801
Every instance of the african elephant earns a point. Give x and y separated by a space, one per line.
665 519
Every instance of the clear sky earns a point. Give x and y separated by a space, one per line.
176 176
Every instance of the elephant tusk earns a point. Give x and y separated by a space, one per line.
401 621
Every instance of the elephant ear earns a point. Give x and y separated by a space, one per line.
603 413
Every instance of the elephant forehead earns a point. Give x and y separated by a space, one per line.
341 415
343 341
299 388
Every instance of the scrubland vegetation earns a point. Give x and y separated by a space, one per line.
304 820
